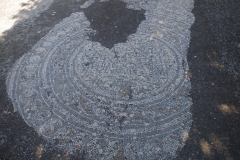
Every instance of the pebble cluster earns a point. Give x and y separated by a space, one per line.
128 101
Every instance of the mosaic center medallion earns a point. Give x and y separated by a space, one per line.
131 100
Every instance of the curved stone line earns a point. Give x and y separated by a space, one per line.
49 87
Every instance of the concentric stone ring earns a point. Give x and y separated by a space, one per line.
130 100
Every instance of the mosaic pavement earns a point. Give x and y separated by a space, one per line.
131 100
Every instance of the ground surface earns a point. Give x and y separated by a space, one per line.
213 60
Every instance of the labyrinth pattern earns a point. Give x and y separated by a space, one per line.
129 101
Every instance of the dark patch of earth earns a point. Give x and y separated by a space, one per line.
214 62
112 21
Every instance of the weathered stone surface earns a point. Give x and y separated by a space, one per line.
108 102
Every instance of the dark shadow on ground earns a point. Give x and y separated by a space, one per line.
214 60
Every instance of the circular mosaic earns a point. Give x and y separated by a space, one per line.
128 101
